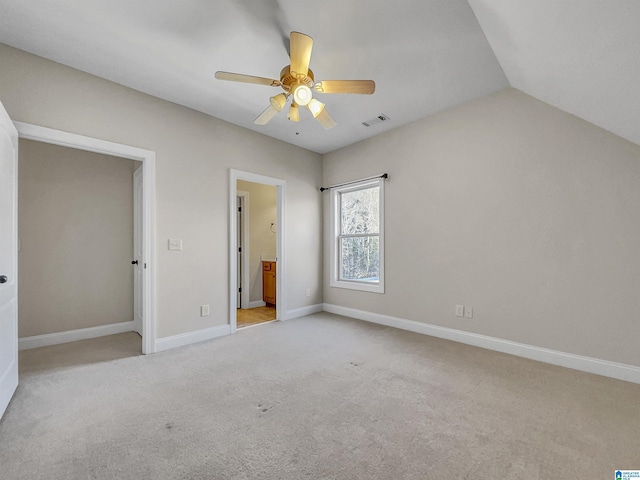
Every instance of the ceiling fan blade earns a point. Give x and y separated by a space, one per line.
300 48
239 77
366 87
325 119
320 113
265 116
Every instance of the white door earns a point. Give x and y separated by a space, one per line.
138 260
242 236
8 260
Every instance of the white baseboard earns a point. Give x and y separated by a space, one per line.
257 303
302 311
36 341
192 337
620 371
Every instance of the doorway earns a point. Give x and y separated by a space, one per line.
144 234
76 229
257 282
257 237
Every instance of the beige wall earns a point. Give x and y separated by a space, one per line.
76 239
521 211
194 153
262 241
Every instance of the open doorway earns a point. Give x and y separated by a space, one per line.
77 257
139 258
256 239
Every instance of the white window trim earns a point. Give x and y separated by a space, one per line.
335 281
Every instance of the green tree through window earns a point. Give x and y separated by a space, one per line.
358 249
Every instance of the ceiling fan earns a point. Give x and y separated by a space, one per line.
297 80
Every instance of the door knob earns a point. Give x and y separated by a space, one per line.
3 279
135 262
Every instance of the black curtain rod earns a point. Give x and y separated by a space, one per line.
384 175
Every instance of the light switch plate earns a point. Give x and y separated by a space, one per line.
459 310
204 310
175 244
468 312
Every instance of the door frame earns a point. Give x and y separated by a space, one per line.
281 281
148 158
245 284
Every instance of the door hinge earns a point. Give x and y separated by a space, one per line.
240 209
239 249
240 290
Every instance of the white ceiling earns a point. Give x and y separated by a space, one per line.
582 56
424 55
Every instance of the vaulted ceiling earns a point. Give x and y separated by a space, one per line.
582 56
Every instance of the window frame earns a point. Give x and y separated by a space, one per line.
335 253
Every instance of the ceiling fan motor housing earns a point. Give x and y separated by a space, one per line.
289 81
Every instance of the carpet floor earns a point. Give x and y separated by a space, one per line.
321 397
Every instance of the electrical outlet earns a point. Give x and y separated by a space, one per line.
468 312
204 310
459 310
308 292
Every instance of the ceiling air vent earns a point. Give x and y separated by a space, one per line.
379 119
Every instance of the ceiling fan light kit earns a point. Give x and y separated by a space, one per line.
297 80
302 94
315 107
294 114
278 101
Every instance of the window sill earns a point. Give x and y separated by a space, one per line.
362 286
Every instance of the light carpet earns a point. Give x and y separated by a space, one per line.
321 397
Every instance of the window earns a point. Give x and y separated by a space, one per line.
357 251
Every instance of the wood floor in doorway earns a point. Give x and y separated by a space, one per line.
254 316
